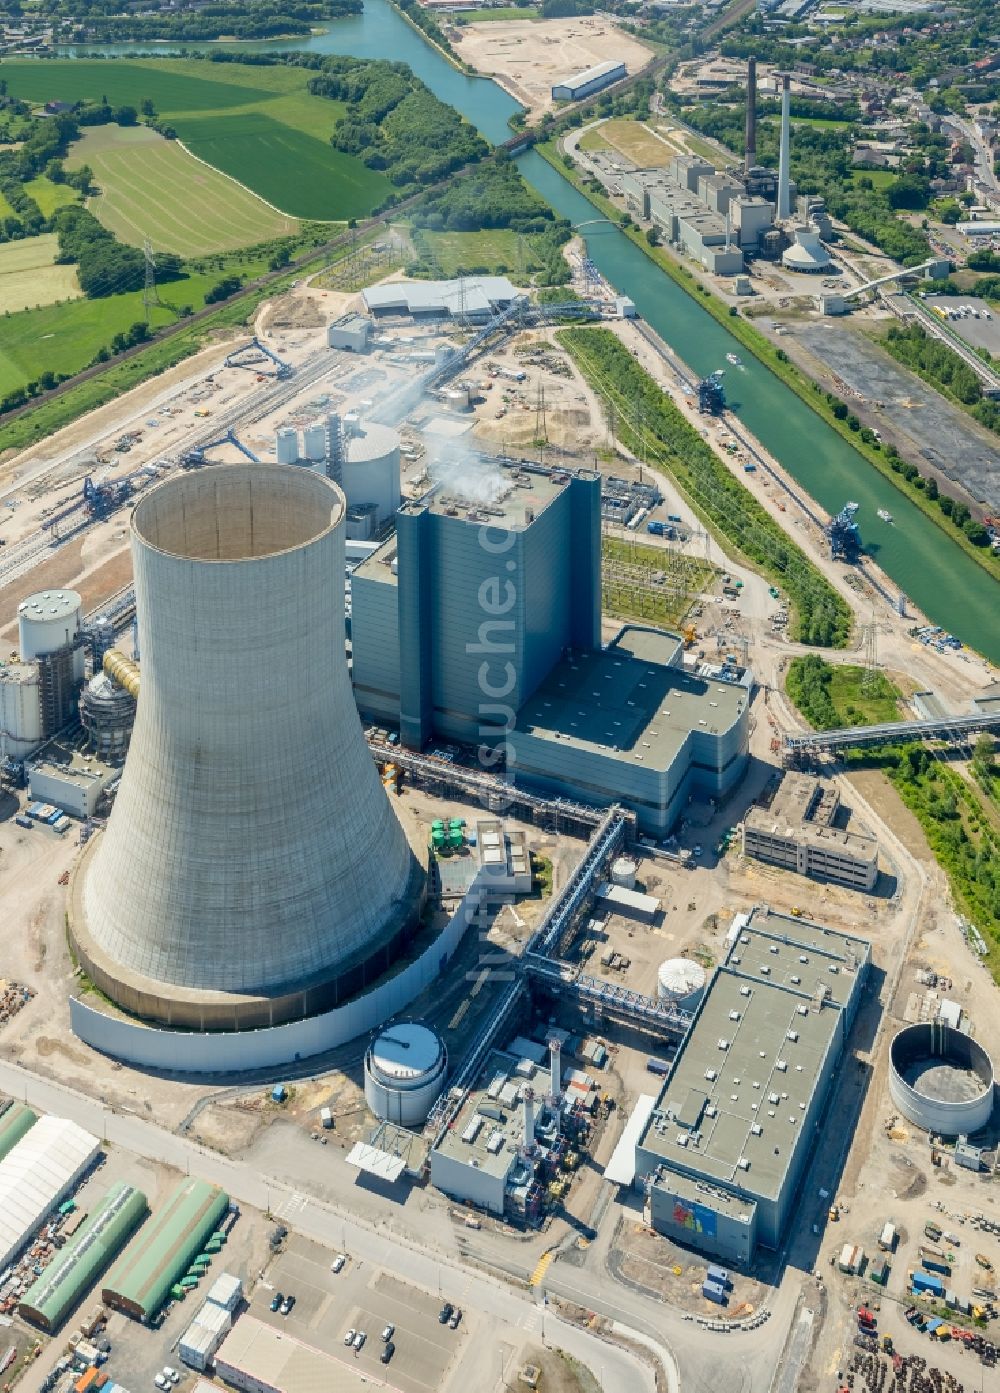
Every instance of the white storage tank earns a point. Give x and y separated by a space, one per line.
623 872
405 1069
681 982
20 708
314 441
371 468
47 621
286 445
457 398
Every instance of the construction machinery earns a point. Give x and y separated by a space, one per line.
690 635
196 457
255 356
712 394
843 535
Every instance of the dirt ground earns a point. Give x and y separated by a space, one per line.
553 403
558 1373
528 56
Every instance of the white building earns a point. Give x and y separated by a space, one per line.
583 84
42 1169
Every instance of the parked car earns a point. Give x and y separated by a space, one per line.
161 1382
388 1352
349 1337
456 1316
276 1301
171 1374
445 1313
359 1339
338 1263
388 1332
287 1305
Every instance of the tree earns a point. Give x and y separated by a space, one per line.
653 236
932 489
976 532
126 116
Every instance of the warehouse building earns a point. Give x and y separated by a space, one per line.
725 1149
796 831
351 333
140 1281
36 1175
476 298
260 1359
75 1269
15 1122
584 84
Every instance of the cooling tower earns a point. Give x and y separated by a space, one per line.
253 870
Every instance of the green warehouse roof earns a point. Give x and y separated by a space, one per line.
14 1123
75 1270
140 1281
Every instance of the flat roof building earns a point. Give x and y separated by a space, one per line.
590 80
795 830
471 297
260 1359
726 1147
140 1281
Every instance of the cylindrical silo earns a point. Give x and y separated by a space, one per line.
314 441
405 1069
371 469
252 870
623 872
286 444
47 621
681 982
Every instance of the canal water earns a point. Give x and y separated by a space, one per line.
946 584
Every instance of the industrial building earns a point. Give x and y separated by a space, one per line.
632 724
351 333
201 1339
796 830
140 1281
38 692
253 870
406 1065
15 1122
362 458
725 1149
504 859
590 80
260 1359
75 1269
460 616
475 298
69 778
38 1173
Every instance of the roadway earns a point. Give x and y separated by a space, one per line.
337 1228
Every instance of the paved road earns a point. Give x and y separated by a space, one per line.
620 1372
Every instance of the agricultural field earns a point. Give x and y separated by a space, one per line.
636 142
50 196
258 125
30 277
151 187
500 250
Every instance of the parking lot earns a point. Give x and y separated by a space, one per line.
327 1305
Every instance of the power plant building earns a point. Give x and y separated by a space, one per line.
796 831
726 1147
38 691
252 870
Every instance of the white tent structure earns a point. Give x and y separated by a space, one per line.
41 1170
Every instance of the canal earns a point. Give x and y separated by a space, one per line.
921 560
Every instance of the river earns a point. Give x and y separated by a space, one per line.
945 583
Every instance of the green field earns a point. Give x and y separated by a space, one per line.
151 187
881 178
30 277
455 251
50 196
258 125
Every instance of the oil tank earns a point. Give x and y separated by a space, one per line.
253 870
681 982
406 1064
48 621
286 445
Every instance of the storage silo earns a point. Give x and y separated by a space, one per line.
253 870
681 982
47 622
314 441
371 468
406 1064
623 872
286 444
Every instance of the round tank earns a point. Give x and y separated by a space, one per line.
371 468
287 445
314 441
253 869
941 1079
47 621
107 714
457 398
681 982
623 872
405 1068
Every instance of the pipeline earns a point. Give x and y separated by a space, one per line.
123 671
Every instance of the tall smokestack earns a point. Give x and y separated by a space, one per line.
751 126
555 1069
529 1118
784 195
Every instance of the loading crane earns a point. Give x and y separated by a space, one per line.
712 394
254 355
196 456
843 535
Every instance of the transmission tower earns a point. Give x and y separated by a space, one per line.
541 432
871 681
150 294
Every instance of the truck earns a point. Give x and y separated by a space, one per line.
657 1066
730 592
673 517
932 1231
866 1318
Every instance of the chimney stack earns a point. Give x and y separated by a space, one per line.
784 209
751 125
555 1068
529 1119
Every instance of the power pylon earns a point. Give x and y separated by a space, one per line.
150 294
541 432
871 681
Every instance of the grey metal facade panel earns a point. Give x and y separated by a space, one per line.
375 646
585 578
251 844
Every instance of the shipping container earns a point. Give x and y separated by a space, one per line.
927 1281
712 1291
657 1066
887 1238
719 1275
23 821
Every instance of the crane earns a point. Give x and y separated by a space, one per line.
196 457
254 355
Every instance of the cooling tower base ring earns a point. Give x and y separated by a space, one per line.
187 1008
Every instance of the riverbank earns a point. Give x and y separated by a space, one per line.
774 359
449 57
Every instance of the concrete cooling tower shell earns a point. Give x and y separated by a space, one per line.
253 870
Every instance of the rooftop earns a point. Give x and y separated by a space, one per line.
803 808
629 701
742 1083
490 1143
468 294
72 766
277 1359
49 604
498 495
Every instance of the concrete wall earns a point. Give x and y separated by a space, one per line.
176 1051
